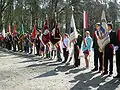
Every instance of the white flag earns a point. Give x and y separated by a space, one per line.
3 32
73 33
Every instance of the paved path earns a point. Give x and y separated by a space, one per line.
22 72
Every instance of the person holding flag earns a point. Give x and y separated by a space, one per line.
32 39
21 35
108 51
101 39
15 39
97 54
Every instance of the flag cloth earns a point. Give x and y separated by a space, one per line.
118 35
55 35
103 23
73 33
3 32
46 33
14 31
34 33
9 29
85 20
104 38
21 31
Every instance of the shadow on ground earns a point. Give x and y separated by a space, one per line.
85 82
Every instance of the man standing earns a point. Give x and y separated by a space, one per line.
97 54
65 47
37 44
118 55
15 42
77 47
108 53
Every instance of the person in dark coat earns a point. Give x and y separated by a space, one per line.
37 44
108 52
77 47
118 55
98 56
15 42
9 41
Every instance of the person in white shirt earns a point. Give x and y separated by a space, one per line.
65 47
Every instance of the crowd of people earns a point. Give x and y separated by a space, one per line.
27 44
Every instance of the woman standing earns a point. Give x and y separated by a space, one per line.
86 47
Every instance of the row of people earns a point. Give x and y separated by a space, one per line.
101 59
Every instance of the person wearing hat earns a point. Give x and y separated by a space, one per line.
97 54
108 52
65 47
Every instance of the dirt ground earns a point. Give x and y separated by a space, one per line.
19 71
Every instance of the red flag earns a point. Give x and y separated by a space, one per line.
46 33
9 29
85 19
34 33
14 31
118 34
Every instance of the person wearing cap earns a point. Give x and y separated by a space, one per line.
86 47
65 47
108 51
98 56
118 54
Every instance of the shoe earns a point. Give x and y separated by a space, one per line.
105 73
110 75
63 61
118 76
95 69
99 71
59 60
67 63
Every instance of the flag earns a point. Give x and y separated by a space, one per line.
103 23
3 32
55 35
73 33
9 29
85 20
46 33
21 31
118 35
34 33
14 31
104 33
